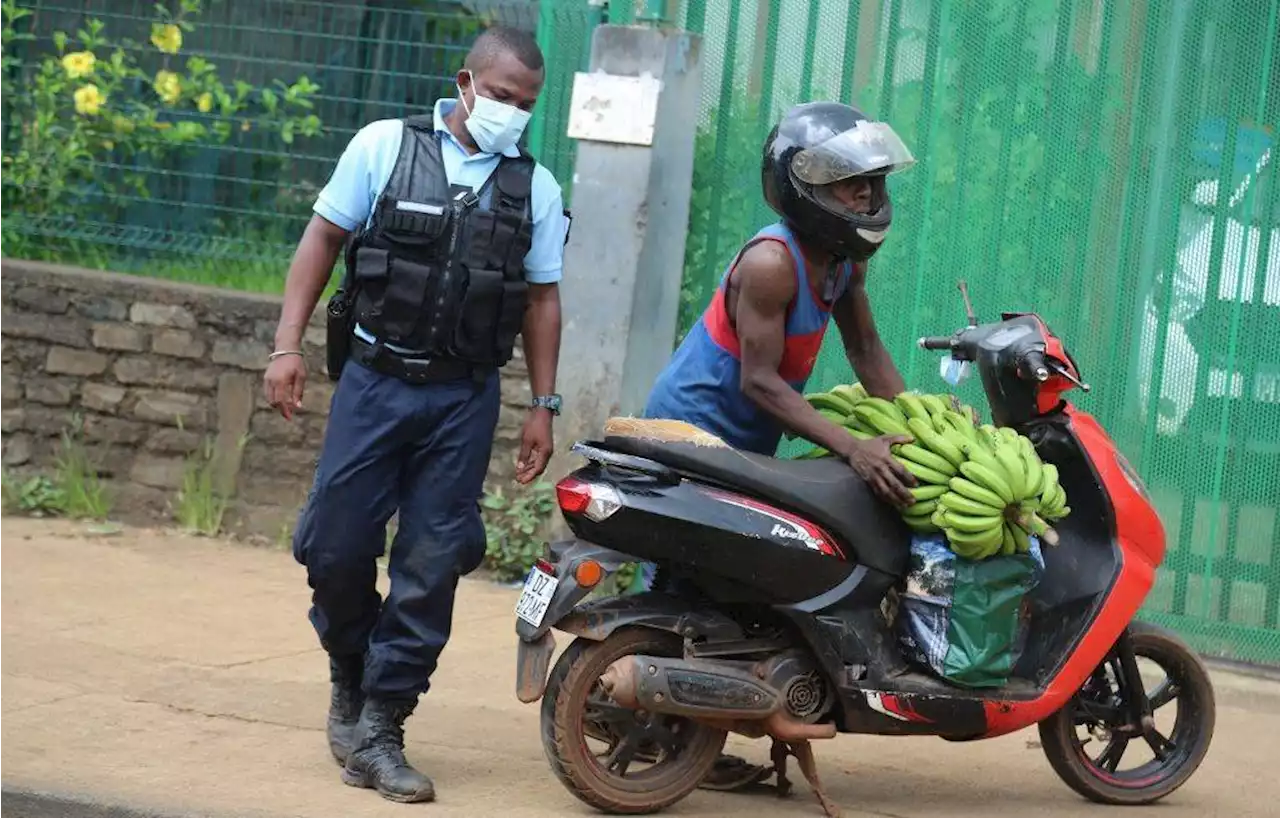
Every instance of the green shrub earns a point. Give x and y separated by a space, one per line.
77 113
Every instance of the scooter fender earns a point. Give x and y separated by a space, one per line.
597 621
536 644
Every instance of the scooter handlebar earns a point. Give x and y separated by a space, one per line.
935 342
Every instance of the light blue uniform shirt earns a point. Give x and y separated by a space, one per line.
366 164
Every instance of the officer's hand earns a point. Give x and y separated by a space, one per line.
874 461
283 384
535 446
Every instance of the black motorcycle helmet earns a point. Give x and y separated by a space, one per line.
817 144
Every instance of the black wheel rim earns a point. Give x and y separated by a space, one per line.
1129 752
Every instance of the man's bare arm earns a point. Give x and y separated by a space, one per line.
308 274
766 284
541 335
866 352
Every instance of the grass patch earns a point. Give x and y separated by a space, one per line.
201 504
264 273
83 494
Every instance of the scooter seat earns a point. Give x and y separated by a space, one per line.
826 491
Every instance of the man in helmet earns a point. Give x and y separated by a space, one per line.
741 371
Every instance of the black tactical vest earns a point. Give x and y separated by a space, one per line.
441 270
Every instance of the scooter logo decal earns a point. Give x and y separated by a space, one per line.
893 707
786 526
794 532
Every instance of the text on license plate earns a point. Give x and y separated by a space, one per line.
539 588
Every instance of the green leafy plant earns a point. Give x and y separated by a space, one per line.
513 528
39 497
8 492
78 113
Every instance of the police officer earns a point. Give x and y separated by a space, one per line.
454 242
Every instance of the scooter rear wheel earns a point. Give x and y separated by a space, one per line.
675 753
1101 706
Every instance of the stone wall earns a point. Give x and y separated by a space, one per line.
153 371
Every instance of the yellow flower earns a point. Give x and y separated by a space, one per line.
79 64
204 102
168 86
88 100
167 38
122 124
244 125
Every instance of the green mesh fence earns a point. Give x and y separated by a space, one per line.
1071 154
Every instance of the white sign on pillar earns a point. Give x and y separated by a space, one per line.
611 108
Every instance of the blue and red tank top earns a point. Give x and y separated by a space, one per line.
702 383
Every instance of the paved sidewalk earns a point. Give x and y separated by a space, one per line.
178 674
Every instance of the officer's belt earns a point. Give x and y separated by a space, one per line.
409 369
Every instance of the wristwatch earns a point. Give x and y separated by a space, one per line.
548 402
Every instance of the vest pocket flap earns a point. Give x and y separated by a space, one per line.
416 222
477 325
371 263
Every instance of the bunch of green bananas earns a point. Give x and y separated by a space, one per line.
1003 494
985 488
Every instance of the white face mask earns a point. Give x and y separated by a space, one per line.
495 126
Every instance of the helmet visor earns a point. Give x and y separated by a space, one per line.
868 147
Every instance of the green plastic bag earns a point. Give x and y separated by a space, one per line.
966 619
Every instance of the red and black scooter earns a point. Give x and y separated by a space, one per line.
766 617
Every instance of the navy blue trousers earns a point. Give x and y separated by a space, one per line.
421 450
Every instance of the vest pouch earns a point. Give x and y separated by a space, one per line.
473 340
515 301
371 265
410 293
414 225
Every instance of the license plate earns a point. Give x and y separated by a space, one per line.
539 588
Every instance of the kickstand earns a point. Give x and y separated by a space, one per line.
803 753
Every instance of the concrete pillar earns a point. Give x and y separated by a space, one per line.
634 114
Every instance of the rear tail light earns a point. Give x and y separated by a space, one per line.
593 500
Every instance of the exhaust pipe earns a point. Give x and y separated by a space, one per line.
711 692
697 688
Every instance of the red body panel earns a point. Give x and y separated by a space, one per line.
1141 539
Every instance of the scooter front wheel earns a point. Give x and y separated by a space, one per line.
1167 751
620 761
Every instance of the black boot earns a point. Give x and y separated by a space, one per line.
377 760
345 701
